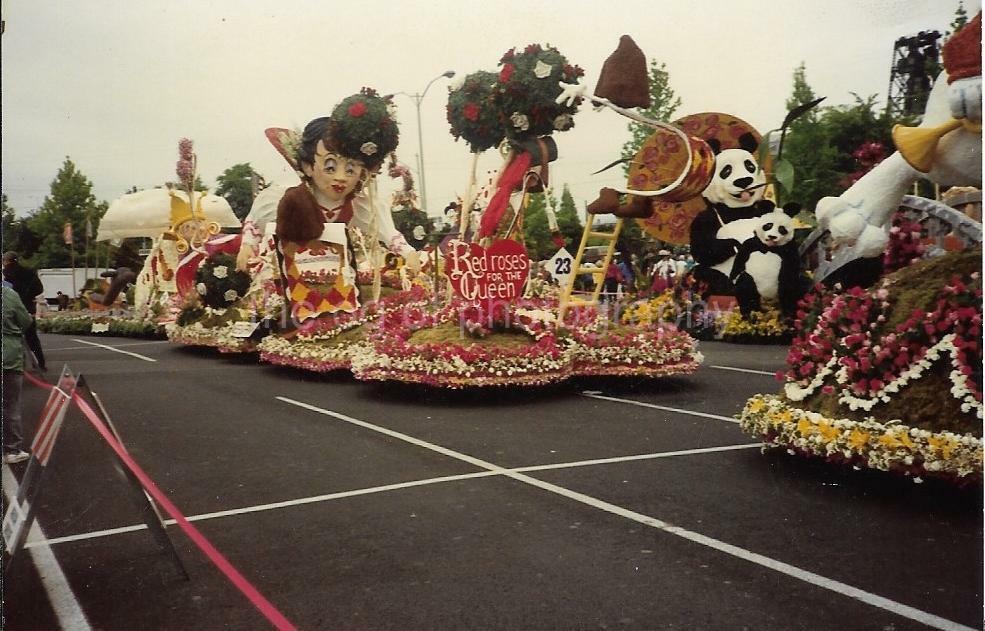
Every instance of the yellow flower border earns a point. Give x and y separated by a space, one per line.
766 323
884 446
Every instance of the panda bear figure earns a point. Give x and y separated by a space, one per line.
734 204
767 265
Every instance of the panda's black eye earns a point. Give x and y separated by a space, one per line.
727 171
783 230
749 166
768 226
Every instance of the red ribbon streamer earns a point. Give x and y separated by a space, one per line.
263 605
511 177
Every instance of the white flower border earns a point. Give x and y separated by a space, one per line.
959 381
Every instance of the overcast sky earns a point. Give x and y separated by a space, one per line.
114 85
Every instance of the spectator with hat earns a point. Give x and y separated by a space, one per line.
664 272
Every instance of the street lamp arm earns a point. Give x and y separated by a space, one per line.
448 74
417 98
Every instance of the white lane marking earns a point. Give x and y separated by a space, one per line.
748 370
595 395
116 350
662 454
95 534
784 568
63 601
76 348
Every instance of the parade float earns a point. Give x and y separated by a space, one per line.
188 283
490 326
184 226
887 373
474 318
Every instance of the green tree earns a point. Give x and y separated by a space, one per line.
960 19
849 126
663 104
536 228
807 146
71 201
568 222
536 235
200 186
239 184
15 233
10 225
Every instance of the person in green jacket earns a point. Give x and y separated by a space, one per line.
16 320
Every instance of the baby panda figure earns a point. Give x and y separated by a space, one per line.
734 204
767 265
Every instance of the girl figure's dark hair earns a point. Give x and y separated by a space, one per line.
313 132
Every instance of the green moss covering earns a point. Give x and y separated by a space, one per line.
916 286
926 403
355 334
449 333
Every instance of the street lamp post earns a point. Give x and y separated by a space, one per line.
417 98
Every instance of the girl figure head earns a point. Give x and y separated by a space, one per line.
331 175
336 156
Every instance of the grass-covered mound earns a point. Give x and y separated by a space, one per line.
890 377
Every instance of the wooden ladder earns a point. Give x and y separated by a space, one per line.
597 274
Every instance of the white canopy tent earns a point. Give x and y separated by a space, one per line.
148 214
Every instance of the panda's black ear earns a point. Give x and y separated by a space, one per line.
791 208
748 142
715 144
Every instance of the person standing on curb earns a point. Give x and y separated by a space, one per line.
28 286
16 320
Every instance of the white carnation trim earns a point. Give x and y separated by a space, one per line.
959 381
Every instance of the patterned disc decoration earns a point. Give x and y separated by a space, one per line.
661 159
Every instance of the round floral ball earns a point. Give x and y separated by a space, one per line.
218 283
363 128
472 113
528 83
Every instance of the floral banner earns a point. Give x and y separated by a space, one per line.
498 272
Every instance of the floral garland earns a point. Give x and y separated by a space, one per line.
549 357
884 446
221 337
328 326
905 243
363 127
842 336
308 355
655 352
867 156
663 308
529 83
395 357
760 326
319 345
472 114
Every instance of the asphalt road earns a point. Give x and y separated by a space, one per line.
596 504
